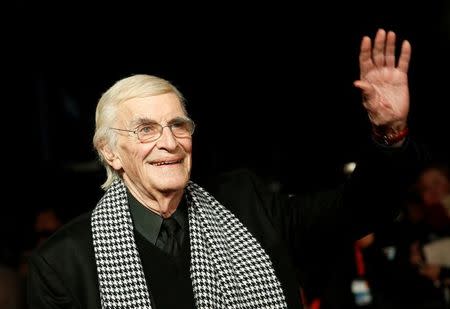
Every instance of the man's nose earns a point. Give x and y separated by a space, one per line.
167 139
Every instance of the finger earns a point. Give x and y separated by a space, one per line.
390 49
405 56
365 56
378 48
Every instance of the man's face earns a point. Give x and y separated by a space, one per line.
157 167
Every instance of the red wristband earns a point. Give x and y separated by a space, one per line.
389 137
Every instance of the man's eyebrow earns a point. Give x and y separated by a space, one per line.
145 120
141 120
178 118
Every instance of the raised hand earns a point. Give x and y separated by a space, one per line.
384 83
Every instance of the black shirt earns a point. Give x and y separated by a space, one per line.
167 275
149 223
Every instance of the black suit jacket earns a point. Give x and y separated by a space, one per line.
300 233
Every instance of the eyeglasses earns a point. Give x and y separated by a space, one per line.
151 131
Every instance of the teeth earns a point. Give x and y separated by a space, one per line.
166 163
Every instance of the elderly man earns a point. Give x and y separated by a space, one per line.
158 240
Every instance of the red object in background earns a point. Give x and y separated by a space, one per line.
315 304
360 268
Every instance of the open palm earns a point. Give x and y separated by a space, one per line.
383 83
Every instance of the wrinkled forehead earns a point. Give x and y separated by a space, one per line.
159 108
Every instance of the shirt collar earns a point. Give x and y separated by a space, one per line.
148 223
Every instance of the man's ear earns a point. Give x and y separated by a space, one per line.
111 157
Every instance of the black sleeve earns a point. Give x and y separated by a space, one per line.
367 201
45 289
318 225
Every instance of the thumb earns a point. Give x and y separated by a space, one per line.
366 88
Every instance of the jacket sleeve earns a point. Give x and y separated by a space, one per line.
316 225
45 289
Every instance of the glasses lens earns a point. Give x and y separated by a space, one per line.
148 131
182 128
152 131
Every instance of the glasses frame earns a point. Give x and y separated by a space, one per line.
136 131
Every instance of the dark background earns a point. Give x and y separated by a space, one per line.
269 86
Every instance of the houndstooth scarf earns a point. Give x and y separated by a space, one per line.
229 268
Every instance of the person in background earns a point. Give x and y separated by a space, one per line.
156 239
434 189
430 253
46 222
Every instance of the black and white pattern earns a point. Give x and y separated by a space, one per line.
229 268
119 268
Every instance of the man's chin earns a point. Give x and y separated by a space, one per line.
172 185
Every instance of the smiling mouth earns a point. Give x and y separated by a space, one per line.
168 162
